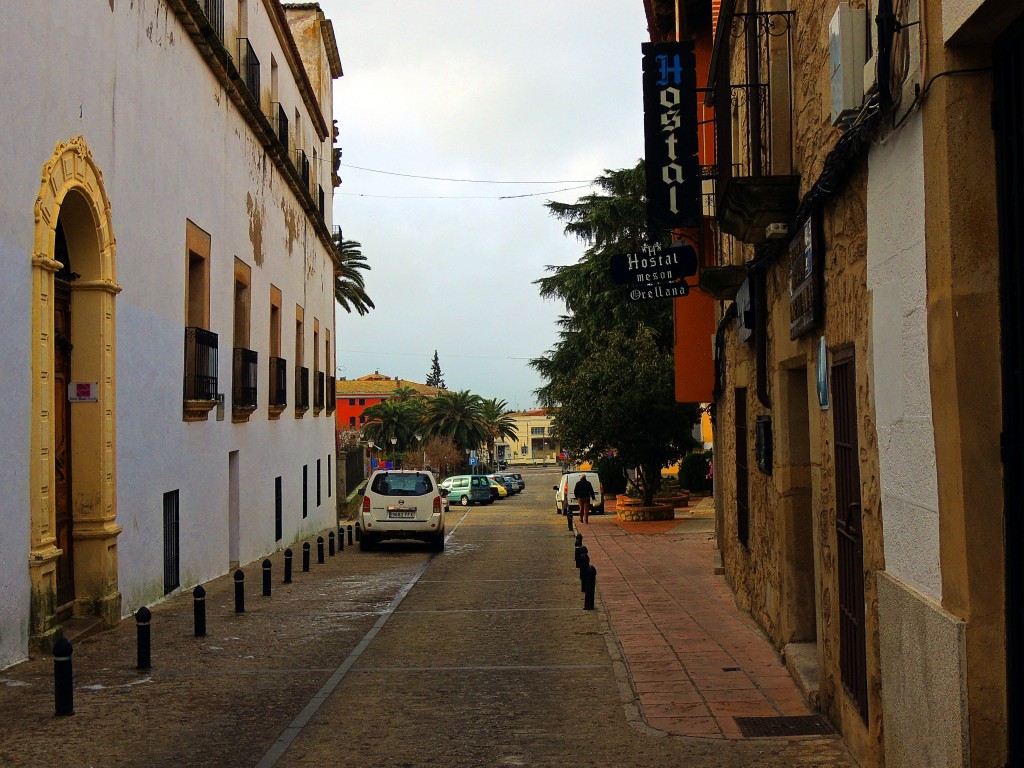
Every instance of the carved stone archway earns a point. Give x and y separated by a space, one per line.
73 185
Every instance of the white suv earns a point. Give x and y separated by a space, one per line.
563 492
402 504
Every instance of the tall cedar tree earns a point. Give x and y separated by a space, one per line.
435 378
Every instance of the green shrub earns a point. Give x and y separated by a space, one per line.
612 473
693 471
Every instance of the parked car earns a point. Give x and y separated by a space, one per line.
502 464
563 492
402 504
468 489
518 478
498 489
508 482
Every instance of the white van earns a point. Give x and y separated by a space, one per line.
563 492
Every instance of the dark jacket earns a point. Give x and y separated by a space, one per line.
583 489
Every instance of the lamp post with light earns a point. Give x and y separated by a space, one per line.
370 444
394 453
419 437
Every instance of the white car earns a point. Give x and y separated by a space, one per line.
402 504
563 492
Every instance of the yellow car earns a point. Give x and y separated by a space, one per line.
498 489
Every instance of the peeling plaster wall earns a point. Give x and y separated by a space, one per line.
171 146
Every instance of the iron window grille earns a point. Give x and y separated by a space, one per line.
332 401
214 10
278 510
200 364
318 391
318 482
279 122
172 577
301 388
302 166
742 471
243 383
305 490
320 199
249 67
278 395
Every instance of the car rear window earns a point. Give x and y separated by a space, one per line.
402 485
481 482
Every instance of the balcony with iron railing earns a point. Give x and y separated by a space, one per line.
243 383
249 67
320 200
277 396
332 397
200 382
301 390
756 185
302 166
214 10
318 392
279 122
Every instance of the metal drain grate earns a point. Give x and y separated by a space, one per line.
796 725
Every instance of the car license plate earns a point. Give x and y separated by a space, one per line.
401 513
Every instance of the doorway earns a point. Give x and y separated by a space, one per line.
63 517
799 610
234 501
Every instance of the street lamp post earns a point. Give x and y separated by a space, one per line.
394 452
419 437
370 444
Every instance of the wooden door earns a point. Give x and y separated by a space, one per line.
62 443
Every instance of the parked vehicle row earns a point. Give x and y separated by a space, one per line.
471 489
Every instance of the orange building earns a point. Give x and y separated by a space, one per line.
353 396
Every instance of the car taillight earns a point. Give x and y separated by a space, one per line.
366 505
437 505
600 488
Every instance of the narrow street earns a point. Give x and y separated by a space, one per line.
478 656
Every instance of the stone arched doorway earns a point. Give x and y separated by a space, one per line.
73 560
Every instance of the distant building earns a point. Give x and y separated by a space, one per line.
356 395
534 443
166 274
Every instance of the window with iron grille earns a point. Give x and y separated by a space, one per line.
249 67
278 510
305 490
329 478
849 533
318 482
172 578
742 469
214 10
200 364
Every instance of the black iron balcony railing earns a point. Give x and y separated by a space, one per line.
200 364
336 233
249 67
301 388
318 391
320 199
332 398
279 121
302 166
214 10
243 380
278 395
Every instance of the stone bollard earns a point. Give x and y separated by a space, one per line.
199 610
143 620
579 557
590 586
305 557
584 565
267 566
350 535
239 591
358 533
568 518
330 544
320 550
288 566
341 539
579 539
63 682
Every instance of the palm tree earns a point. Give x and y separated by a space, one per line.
498 423
456 415
392 419
349 286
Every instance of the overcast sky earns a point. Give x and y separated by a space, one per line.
533 91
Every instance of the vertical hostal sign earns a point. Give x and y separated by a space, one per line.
670 135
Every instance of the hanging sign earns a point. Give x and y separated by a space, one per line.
805 281
670 134
653 264
659 291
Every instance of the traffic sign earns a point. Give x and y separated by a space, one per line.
653 264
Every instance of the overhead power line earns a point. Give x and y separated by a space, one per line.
462 197
464 181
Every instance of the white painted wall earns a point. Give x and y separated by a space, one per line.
171 147
897 281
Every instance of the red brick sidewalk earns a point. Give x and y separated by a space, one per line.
695 659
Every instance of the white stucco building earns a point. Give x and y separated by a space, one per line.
166 292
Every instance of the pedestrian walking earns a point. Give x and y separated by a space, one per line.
584 493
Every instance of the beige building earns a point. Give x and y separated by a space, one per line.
869 432
535 441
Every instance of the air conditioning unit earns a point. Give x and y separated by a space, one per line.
847 53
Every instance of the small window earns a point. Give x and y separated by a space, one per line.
278 510
351 401
172 578
351 421
305 490
362 401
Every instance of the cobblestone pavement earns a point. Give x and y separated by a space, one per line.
479 656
